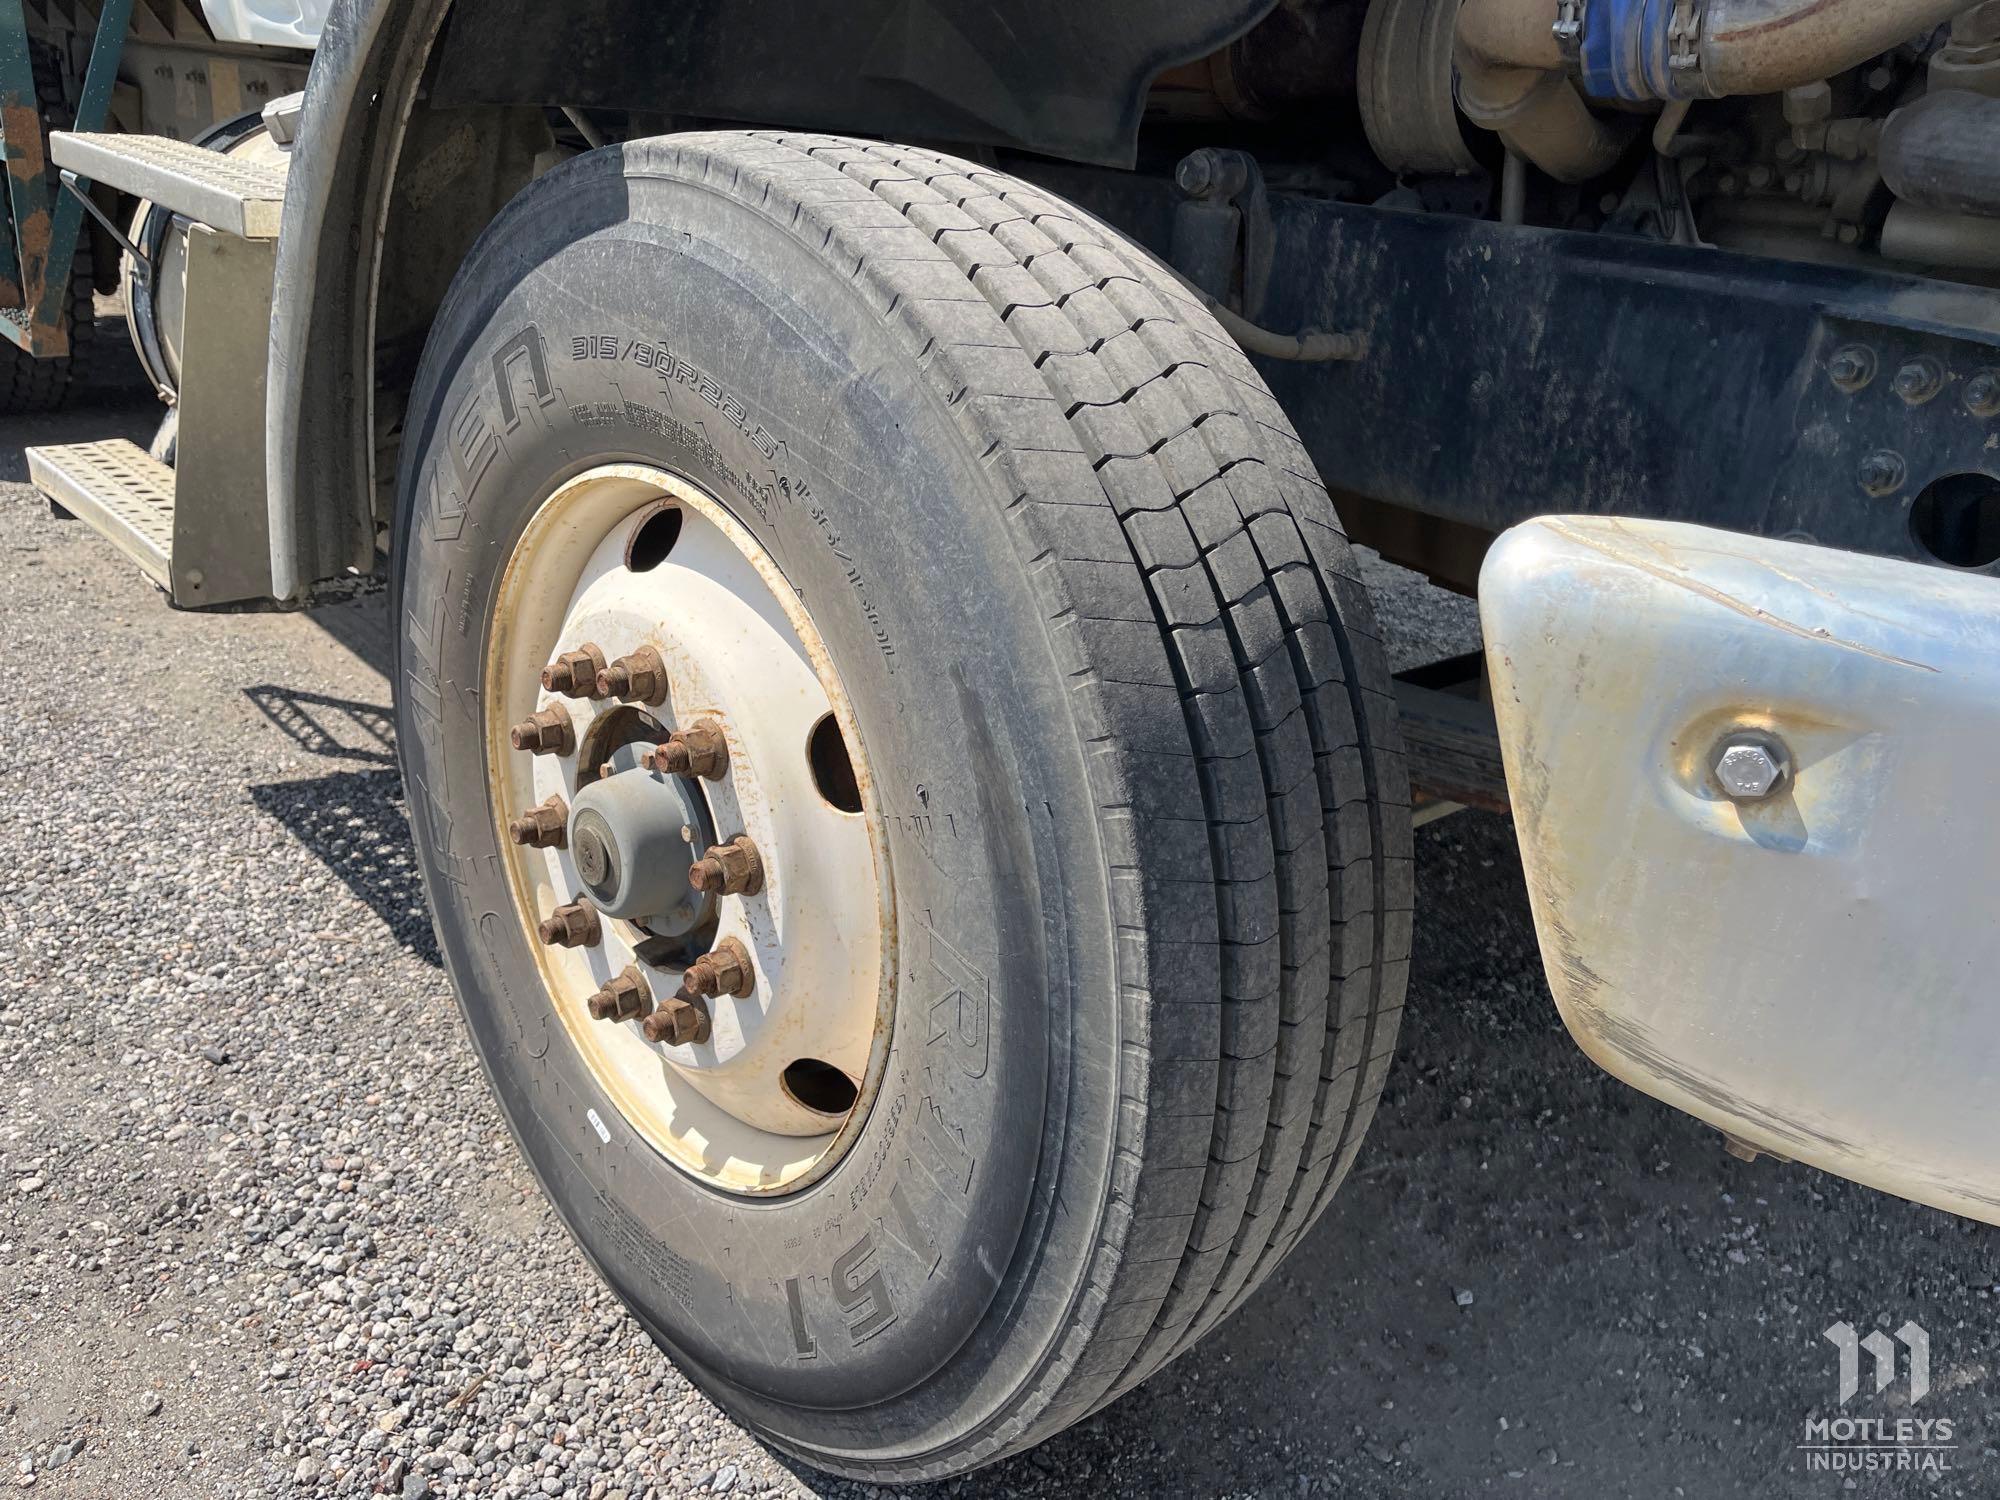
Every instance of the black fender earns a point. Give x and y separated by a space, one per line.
1055 77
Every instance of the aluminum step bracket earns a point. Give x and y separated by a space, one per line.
214 546
120 490
238 197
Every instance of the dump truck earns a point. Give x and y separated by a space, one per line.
913 800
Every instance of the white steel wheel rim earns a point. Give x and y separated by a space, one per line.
740 651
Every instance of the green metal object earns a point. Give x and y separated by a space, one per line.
43 224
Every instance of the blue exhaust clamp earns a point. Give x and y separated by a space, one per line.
1627 51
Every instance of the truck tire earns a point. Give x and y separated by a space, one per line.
1121 743
28 384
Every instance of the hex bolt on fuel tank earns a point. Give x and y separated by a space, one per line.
1919 380
725 970
1749 767
542 827
1851 367
624 997
574 673
731 869
548 732
640 677
574 924
1982 394
678 1020
1739 1148
699 750
1881 472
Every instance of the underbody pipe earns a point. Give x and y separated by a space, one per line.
1763 46
1943 152
1513 190
1539 115
1938 237
1685 49
1654 50
1511 82
1310 347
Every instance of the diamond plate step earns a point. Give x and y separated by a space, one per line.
121 490
239 197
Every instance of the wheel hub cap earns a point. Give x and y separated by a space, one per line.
634 836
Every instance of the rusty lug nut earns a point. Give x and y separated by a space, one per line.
641 676
680 1019
571 925
546 733
574 673
625 997
723 971
544 827
700 750
731 869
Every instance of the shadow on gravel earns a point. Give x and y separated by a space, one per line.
361 624
338 728
356 824
135 418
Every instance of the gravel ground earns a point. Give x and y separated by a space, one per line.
261 1232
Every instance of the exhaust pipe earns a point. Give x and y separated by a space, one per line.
1512 80
1540 116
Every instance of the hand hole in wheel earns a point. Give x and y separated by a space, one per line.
612 731
1957 520
833 772
819 1086
654 539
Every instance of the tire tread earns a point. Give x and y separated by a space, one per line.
1228 688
